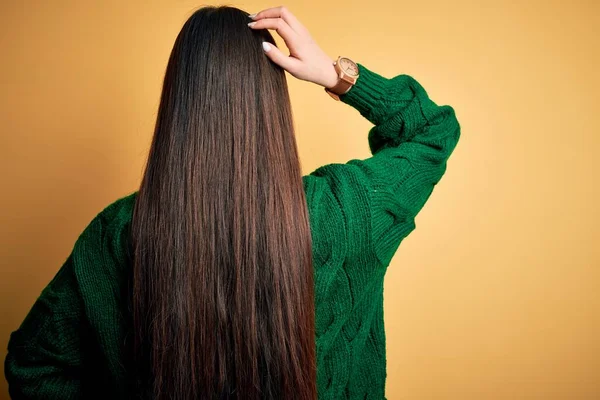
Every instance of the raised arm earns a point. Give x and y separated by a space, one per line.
410 143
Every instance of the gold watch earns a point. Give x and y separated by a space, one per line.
347 71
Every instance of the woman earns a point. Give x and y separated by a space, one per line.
228 274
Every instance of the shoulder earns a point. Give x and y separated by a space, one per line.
114 215
105 239
120 209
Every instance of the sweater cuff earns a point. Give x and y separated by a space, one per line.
368 91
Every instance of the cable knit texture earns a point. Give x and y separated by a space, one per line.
73 342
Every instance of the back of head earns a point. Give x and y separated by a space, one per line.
222 291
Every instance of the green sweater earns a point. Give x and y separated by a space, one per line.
71 344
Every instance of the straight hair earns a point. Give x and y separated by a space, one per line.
222 292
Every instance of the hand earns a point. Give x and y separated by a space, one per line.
306 60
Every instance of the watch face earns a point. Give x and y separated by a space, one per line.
348 66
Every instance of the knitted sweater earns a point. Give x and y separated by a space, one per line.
72 342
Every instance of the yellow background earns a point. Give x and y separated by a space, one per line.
495 295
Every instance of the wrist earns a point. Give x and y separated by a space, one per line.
331 76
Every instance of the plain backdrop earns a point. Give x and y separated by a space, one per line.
495 295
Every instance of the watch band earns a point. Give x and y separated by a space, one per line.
341 87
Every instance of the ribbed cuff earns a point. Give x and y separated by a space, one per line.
368 91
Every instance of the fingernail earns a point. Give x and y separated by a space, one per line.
251 23
252 15
266 46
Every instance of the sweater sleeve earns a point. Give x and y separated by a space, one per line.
44 360
410 142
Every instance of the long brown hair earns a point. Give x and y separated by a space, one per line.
223 298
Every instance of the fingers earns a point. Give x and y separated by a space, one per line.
281 27
289 28
290 64
285 14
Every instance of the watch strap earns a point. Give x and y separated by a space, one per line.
341 87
